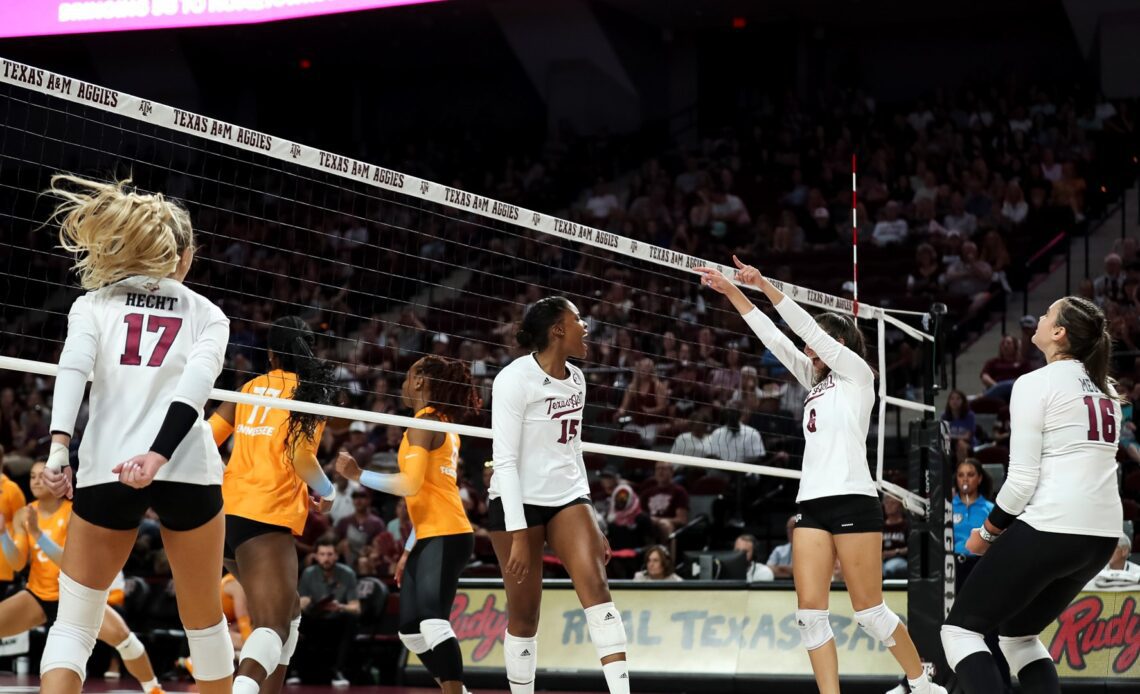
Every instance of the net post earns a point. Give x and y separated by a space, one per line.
935 361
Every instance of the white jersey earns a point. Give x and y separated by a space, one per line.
147 343
1062 455
536 425
837 410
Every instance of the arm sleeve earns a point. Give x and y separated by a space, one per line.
50 548
408 481
204 363
774 339
21 555
508 408
180 419
308 468
10 551
1026 421
838 358
75 365
221 429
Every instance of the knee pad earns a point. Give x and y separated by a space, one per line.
880 622
959 643
436 631
606 629
1020 651
263 647
415 643
212 652
72 637
815 627
290 644
521 658
131 648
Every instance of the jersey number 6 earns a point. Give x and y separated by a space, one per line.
169 325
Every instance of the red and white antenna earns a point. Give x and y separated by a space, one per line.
854 244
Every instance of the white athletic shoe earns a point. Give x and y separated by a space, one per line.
339 680
111 675
292 679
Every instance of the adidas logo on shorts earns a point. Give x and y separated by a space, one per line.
624 676
609 615
526 652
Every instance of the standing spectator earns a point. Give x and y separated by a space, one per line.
757 572
780 560
1110 285
658 566
890 229
357 531
999 373
895 530
960 418
666 501
331 607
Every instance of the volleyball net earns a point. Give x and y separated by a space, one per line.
387 267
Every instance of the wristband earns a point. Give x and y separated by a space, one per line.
332 493
59 457
987 535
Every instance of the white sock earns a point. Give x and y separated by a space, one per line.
920 685
617 676
149 685
246 685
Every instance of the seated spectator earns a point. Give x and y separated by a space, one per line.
1120 574
999 373
1110 285
959 219
780 560
788 236
342 504
316 527
735 441
357 531
401 526
1014 209
890 229
627 525
972 505
331 608
645 401
601 206
970 276
820 233
757 572
725 380
960 418
694 442
895 532
1030 356
666 501
658 566
996 255
924 279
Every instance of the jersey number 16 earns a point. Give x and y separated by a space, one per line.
1107 419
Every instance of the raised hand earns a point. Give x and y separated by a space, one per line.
747 274
347 466
715 279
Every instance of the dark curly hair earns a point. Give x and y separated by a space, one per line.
291 342
453 392
534 333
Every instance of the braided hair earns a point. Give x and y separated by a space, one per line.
452 389
291 342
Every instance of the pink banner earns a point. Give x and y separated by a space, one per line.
44 17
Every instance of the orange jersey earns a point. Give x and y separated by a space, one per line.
436 509
11 500
260 483
43 573
228 600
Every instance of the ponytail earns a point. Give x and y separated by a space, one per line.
451 387
1088 339
291 341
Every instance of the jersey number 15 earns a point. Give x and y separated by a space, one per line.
1107 419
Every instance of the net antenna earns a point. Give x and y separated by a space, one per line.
854 244
214 133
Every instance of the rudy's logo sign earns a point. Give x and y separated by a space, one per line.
1082 631
486 625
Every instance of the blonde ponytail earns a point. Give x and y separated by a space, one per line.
115 233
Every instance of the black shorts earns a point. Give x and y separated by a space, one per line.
180 506
431 578
535 515
839 515
50 608
239 529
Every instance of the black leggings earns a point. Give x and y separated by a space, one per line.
431 578
1027 579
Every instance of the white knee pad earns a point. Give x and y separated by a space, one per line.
72 637
1020 651
264 648
131 648
815 628
415 643
959 643
436 631
290 644
880 622
212 652
521 658
606 629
